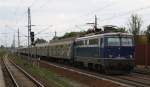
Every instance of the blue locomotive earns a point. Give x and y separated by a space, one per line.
111 52
108 52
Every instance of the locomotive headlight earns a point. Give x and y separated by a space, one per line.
110 56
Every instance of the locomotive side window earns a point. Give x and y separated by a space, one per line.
86 42
101 42
113 41
78 43
93 41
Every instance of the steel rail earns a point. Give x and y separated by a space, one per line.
10 74
27 75
114 79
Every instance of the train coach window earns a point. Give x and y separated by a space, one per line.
101 42
93 42
85 42
79 43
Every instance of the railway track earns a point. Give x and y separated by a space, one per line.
136 79
130 80
19 77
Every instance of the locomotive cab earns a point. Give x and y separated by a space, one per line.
118 51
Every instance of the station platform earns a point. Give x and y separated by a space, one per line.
2 80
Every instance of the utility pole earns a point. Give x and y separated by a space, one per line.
30 35
29 26
14 41
29 30
5 36
6 40
55 34
95 24
18 38
13 44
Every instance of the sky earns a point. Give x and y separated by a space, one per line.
64 16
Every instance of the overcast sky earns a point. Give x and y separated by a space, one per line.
63 16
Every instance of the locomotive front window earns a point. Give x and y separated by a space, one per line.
126 41
113 41
119 41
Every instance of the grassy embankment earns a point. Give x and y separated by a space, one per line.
48 75
2 52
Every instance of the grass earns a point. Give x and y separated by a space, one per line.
46 74
2 52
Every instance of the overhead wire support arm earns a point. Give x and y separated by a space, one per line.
95 23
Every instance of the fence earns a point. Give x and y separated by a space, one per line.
142 51
142 55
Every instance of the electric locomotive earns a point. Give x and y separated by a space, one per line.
109 52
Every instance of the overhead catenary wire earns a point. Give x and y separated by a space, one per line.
108 5
32 4
125 13
41 6
109 18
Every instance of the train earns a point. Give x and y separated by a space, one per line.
109 52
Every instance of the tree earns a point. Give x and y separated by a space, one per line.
122 29
135 24
39 41
2 46
72 34
148 34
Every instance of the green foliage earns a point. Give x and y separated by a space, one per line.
122 29
39 41
73 34
142 40
2 46
2 52
135 24
49 75
109 28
